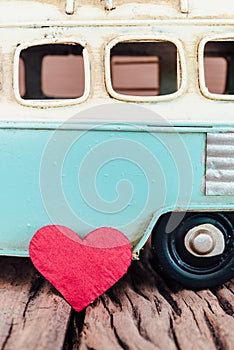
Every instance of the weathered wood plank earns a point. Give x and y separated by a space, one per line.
32 314
142 311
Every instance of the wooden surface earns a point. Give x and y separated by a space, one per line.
32 314
141 311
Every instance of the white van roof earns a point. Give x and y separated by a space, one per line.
38 11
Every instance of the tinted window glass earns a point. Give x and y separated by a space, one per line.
52 71
144 68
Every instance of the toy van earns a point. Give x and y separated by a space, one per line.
121 114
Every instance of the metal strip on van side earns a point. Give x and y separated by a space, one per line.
220 164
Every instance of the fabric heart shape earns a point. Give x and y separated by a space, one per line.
80 269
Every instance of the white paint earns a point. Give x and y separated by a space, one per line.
21 24
16 11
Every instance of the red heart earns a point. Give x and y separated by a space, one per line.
81 270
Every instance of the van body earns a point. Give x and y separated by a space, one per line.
122 115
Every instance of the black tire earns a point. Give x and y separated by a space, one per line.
177 263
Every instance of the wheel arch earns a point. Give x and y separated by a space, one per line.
149 231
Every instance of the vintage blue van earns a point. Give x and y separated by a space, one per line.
121 114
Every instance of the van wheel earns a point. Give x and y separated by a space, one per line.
198 252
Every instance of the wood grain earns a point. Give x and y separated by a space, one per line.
32 314
142 311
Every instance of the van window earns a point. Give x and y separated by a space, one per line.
51 71
219 67
144 68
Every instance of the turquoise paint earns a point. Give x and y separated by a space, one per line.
90 178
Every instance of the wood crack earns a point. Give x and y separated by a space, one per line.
225 305
36 285
8 335
158 305
167 296
218 343
134 311
194 317
121 343
209 306
108 311
173 334
74 330
118 338
138 290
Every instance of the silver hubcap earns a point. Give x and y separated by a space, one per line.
204 240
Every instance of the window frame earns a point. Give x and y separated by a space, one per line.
145 38
51 102
201 72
